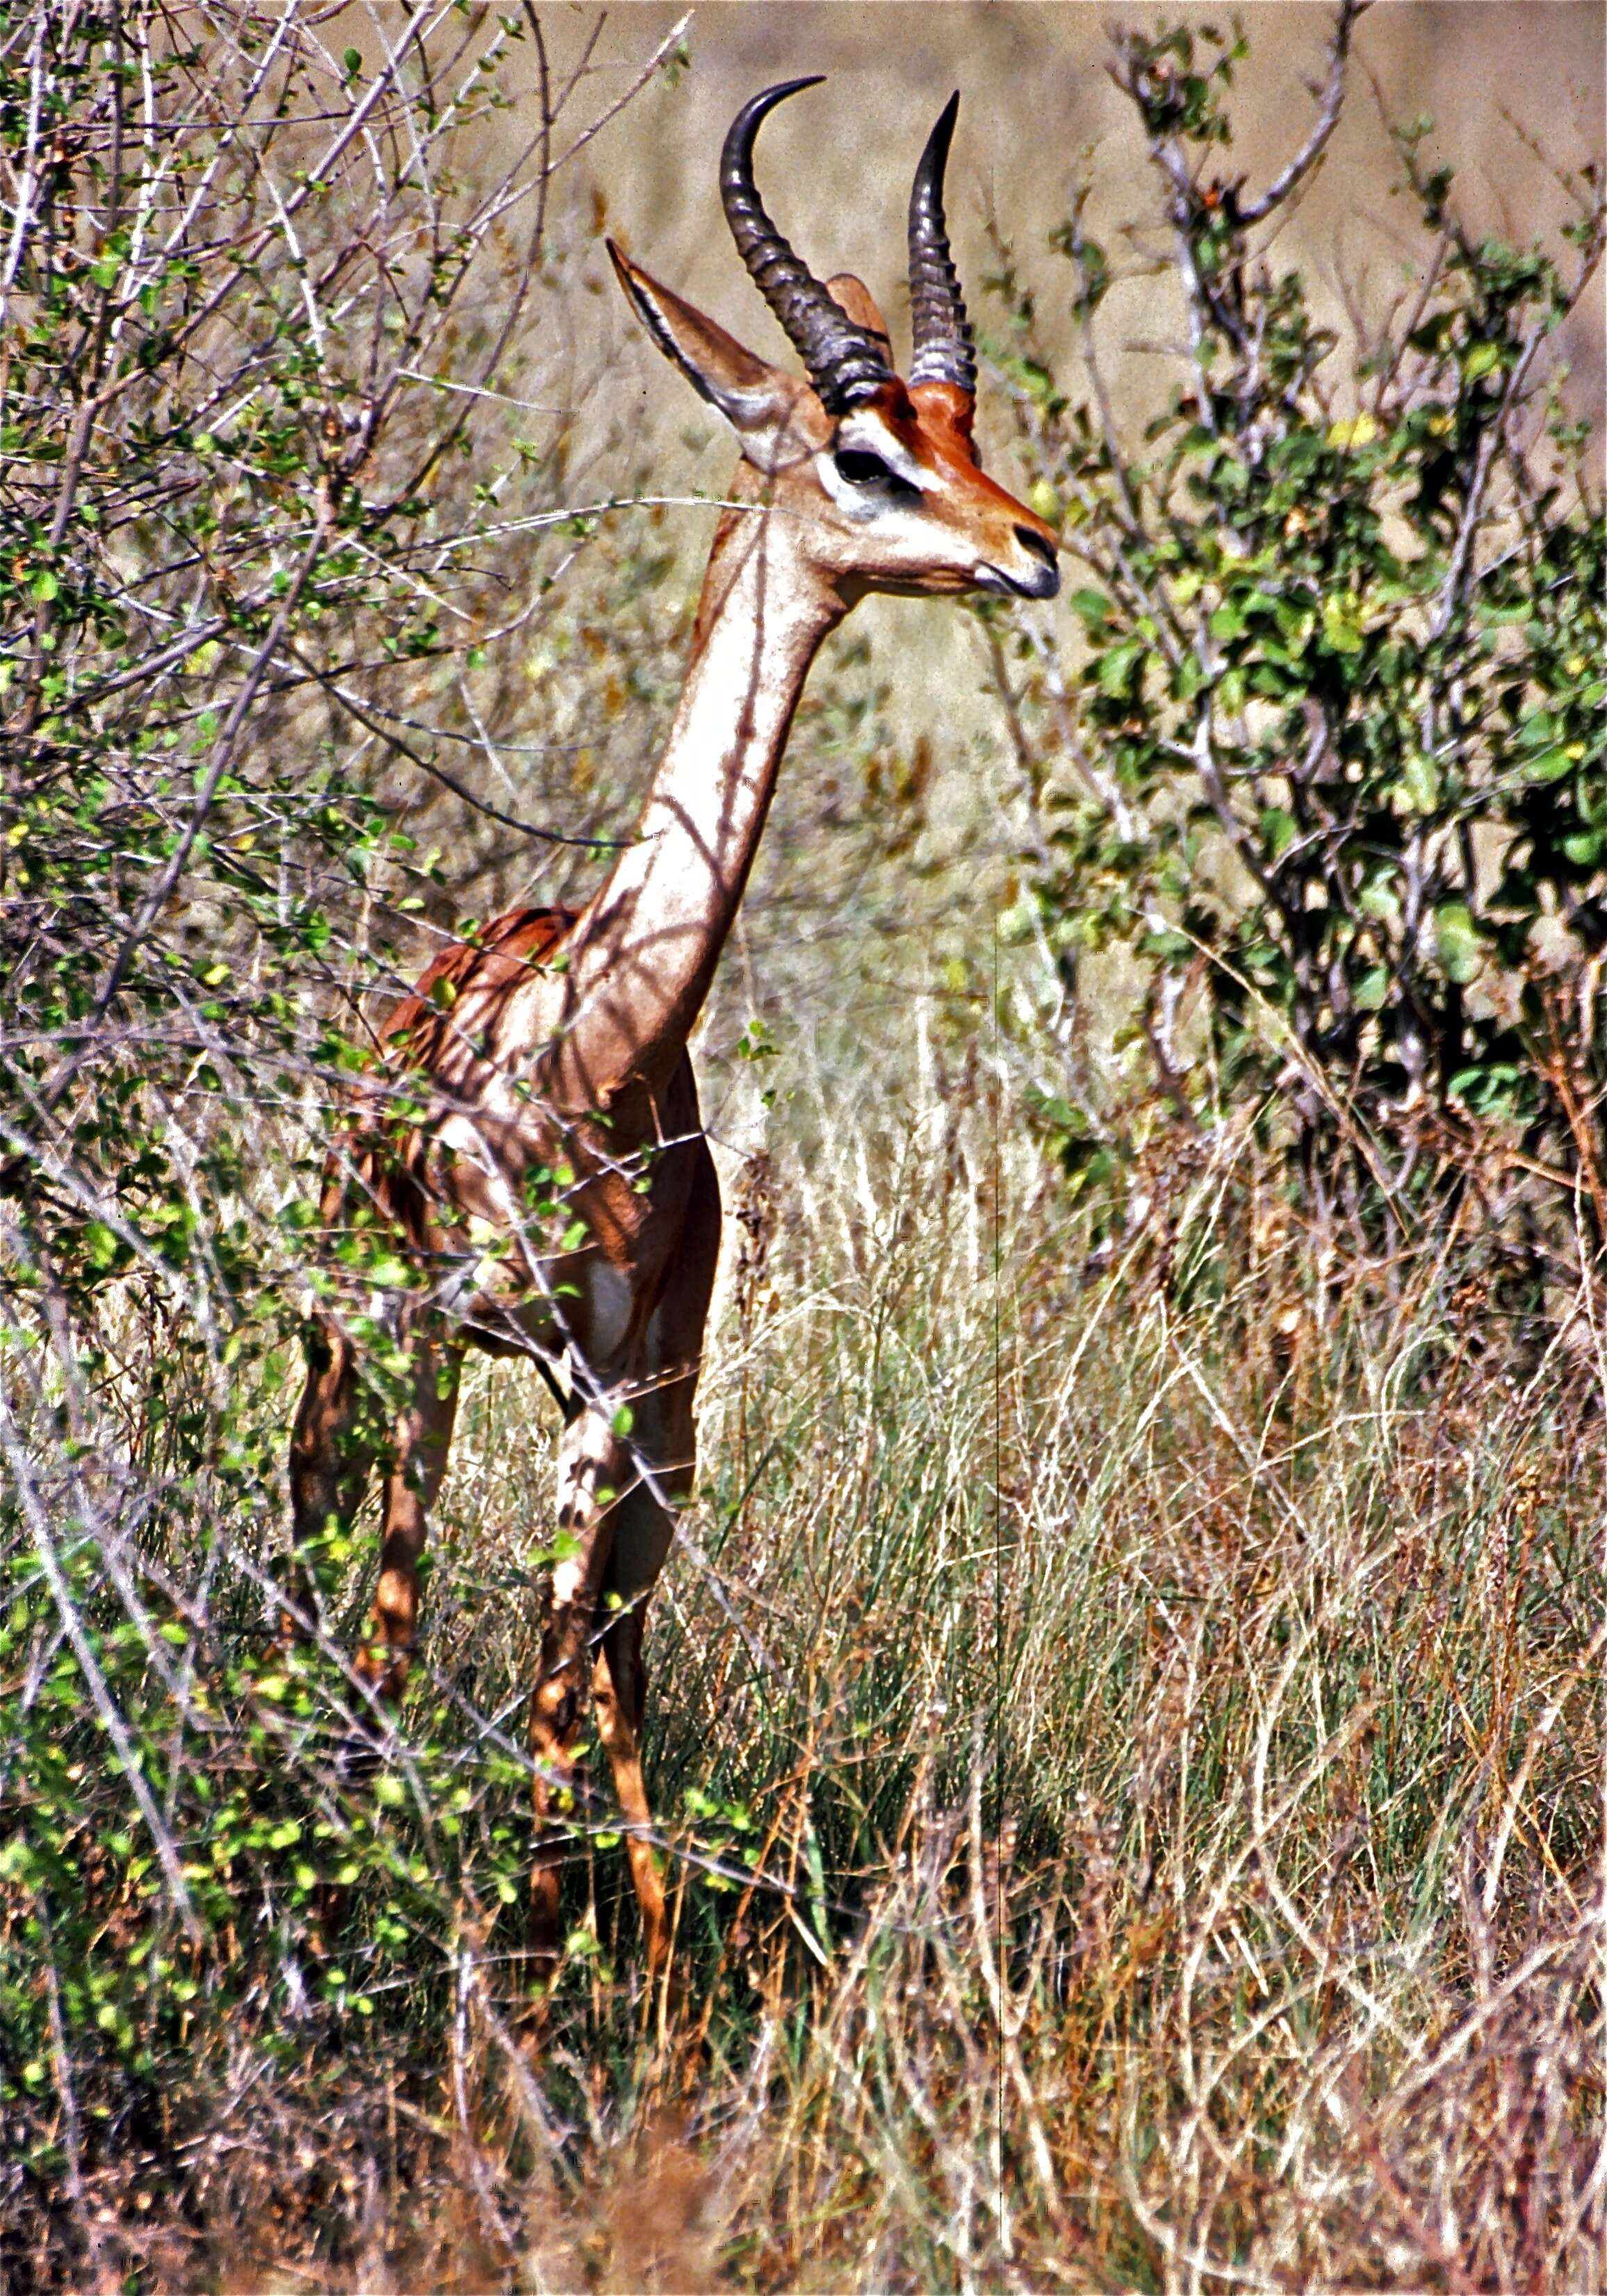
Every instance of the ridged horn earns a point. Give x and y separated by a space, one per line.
845 364
944 346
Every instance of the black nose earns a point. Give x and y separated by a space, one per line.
1035 545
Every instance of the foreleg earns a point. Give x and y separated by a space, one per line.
663 1459
619 1688
663 1454
591 1469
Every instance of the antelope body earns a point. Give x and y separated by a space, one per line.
556 1046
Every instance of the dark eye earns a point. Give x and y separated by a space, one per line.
862 470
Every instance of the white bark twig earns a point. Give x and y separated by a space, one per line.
1334 99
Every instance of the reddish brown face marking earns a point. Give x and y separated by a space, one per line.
945 407
936 426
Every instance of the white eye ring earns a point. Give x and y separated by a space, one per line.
861 468
865 484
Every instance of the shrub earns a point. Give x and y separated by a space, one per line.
1327 761
266 360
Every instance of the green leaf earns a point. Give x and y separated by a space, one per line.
817 1891
1550 766
1456 942
1278 830
1489 1089
1420 781
1343 625
1167 943
1116 668
103 1245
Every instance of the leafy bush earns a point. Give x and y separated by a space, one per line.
1330 761
266 367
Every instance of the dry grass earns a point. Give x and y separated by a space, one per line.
1171 1733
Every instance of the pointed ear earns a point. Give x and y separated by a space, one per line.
853 297
772 412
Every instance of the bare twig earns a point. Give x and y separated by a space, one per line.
1346 19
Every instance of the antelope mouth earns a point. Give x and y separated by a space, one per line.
1043 582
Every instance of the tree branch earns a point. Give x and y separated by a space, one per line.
1345 21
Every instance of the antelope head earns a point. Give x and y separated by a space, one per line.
881 474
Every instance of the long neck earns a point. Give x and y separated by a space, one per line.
642 957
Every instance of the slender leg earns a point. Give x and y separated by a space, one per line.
619 1689
329 1462
665 1440
620 1553
422 1440
643 1533
592 1470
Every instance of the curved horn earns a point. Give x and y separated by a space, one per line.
846 364
944 346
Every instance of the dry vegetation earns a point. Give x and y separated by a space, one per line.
1126 1714
1171 1737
